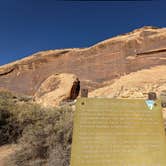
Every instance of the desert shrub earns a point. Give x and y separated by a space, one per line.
9 130
46 137
24 98
14 117
43 135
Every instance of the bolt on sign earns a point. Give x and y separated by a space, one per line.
118 132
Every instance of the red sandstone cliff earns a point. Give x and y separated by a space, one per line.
140 49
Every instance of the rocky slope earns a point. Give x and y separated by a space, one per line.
96 66
135 85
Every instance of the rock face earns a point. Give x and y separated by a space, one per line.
57 88
143 48
135 85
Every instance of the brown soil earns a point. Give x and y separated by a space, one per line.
5 152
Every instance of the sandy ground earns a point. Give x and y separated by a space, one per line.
5 151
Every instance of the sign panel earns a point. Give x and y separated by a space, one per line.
118 132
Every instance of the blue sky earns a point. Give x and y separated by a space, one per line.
29 26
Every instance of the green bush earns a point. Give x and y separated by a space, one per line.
43 135
9 129
46 137
14 117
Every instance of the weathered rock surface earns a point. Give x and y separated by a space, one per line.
57 88
141 49
135 85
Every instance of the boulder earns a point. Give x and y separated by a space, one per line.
57 88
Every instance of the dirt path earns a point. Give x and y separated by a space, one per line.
5 151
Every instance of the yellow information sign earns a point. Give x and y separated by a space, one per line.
118 132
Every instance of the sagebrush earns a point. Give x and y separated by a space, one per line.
43 135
